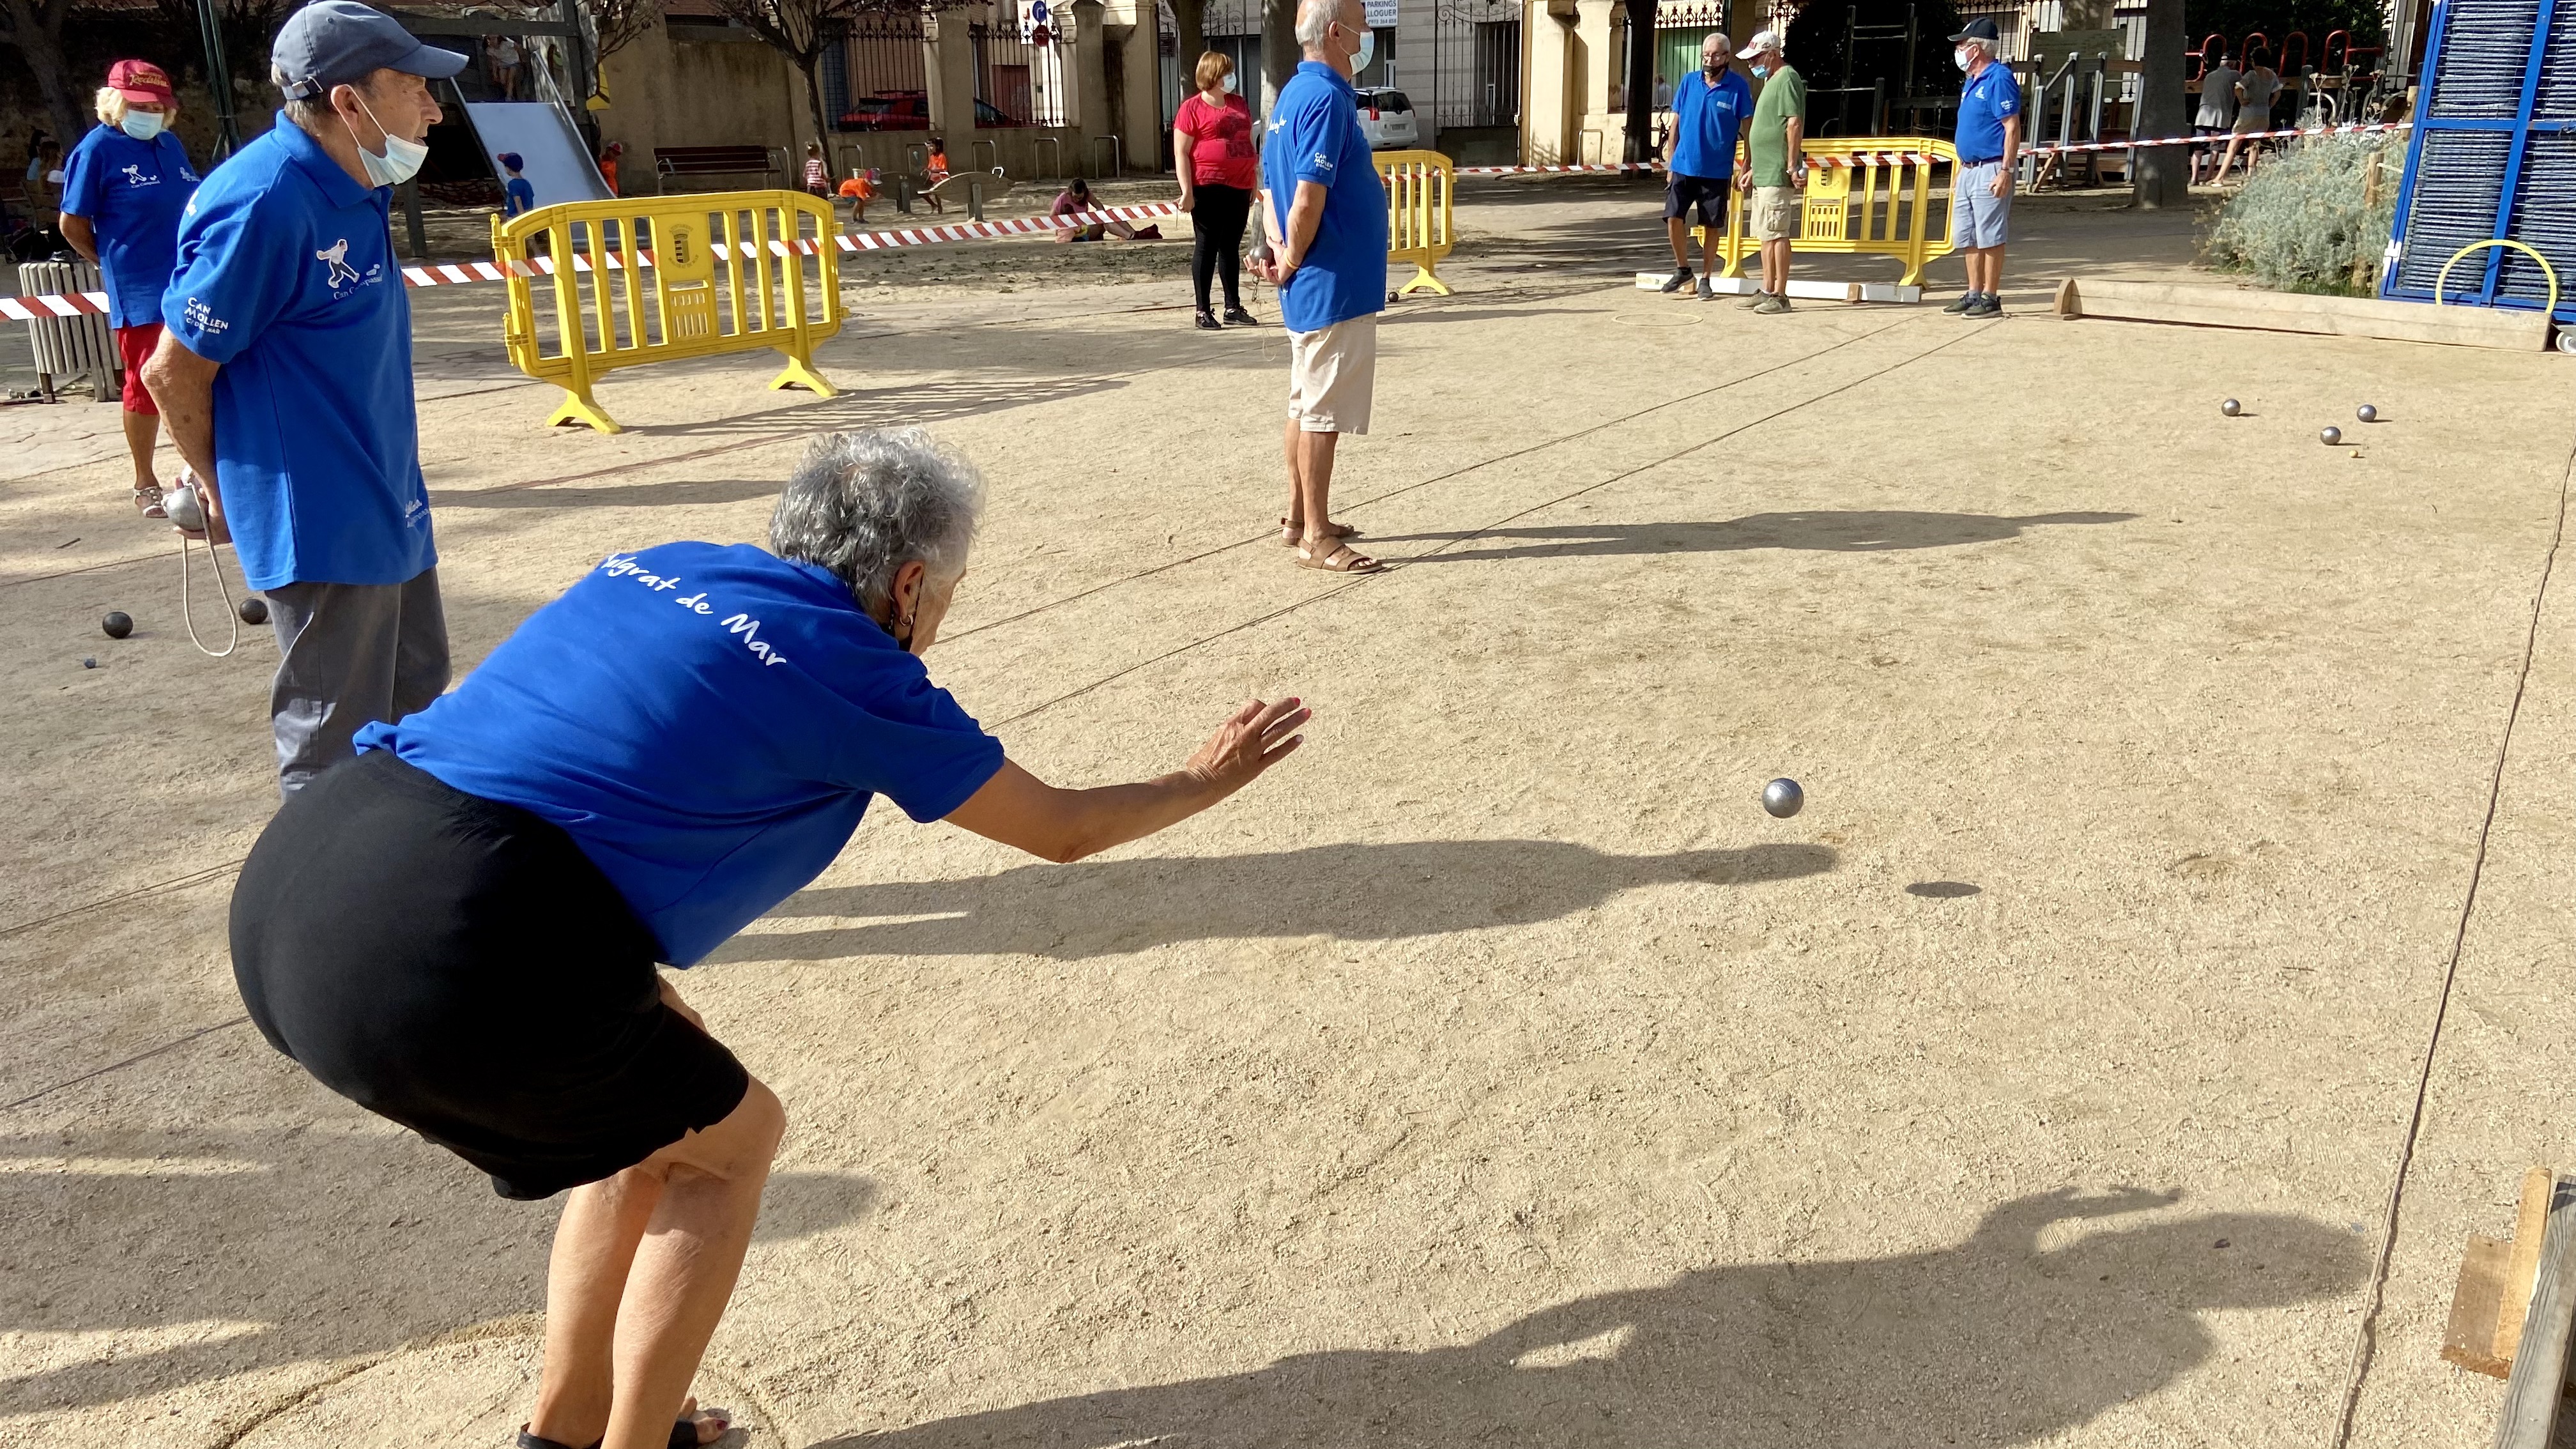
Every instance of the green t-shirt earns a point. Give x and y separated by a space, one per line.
1784 99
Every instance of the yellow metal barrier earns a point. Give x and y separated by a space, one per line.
1419 228
1869 195
653 278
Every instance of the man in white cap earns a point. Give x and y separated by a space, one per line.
1777 177
284 372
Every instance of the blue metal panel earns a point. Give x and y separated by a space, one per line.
2492 155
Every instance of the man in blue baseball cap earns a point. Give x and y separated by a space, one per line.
285 375
1981 186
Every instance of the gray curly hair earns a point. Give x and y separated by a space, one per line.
864 504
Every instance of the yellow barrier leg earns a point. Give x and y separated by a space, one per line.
1422 277
581 407
800 373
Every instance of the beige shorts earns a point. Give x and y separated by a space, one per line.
1776 211
1331 373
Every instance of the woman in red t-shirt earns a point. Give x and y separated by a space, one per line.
1212 151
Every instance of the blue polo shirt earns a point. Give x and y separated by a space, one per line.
132 193
286 277
1706 119
1315 136
1985 101
707 722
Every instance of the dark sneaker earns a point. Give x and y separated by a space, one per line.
1962 302
1986 306
1771 306
1707 290
1207 321
1680 278
1237 317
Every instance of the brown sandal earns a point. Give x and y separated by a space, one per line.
1292 533
1336 557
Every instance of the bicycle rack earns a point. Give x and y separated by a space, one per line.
993 146
1117 154
1055 149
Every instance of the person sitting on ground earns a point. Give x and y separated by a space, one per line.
1074 200
458 929
858 191
934 171
516 194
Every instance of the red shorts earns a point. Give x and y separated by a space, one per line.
133 345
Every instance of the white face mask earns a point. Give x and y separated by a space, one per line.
141 125
1229 83
1760 70
1964 56
401 161
1367 52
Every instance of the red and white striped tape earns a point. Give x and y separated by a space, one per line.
448 274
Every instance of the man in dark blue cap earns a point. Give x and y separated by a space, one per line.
1981 185
284 374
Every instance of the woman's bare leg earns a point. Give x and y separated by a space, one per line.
643 1265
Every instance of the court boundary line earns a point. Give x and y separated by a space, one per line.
2365 1348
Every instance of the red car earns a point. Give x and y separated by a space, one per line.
910 111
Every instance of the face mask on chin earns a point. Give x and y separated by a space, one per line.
141 125
1760 70
402 159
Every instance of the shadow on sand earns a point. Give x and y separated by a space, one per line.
1823 531
1992 1343
1353 891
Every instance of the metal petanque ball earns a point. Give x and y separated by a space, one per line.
89 662
253 610
2330 436
2366 413
117 624
2231 407
1782 798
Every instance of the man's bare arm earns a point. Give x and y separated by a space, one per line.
182 385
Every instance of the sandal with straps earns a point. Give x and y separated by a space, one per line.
1336 557
684 1434
148 500
1292 533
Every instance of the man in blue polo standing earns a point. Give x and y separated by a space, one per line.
285 376
1328 211
1981 185
1699 159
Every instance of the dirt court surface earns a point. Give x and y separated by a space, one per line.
1494 1072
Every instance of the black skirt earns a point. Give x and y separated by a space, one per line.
460 967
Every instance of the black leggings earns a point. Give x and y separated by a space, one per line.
1218 220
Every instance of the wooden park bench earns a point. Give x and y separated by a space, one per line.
677 162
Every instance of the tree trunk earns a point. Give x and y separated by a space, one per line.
1189 39
1280 52
812 65
37 32
1641 81
2161 175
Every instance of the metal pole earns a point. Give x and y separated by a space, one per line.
219 81
409 194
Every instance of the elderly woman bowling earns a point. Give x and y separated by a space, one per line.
459 929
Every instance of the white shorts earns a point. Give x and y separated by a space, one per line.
1331 373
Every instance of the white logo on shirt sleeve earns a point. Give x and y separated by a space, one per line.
203 321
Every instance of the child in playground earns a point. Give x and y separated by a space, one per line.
934 171
516 194
858 191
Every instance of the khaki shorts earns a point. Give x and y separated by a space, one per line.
1776 211
1331 373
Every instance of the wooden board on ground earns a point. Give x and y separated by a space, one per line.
2531 1395
2216 306
2494 1289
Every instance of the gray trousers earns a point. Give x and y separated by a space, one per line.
353 653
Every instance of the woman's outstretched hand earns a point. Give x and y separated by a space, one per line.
1257 737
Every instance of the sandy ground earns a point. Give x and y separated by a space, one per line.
1495 1072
